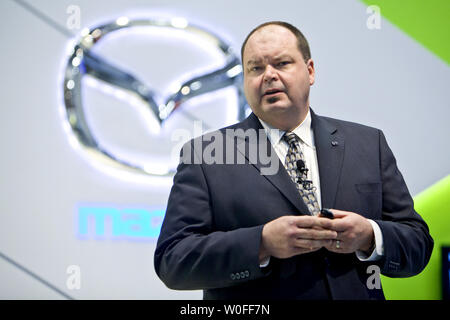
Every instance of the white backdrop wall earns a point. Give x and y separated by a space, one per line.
381 78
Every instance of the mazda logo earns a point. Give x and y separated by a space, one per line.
84 61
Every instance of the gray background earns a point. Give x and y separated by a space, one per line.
381 78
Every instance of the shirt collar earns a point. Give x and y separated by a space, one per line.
303 131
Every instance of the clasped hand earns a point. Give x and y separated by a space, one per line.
288 236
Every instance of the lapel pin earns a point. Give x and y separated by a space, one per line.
334 143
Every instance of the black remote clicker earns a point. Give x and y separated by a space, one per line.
326 213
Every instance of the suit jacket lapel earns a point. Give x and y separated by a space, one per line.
330 154
280 178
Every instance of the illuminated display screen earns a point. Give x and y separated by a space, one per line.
445 273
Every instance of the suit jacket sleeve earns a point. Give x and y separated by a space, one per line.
407 242
190 253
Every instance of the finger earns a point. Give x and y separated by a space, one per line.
305 221
313 222
311 244
337 214
332 248
316 234
297 251
338 224
324 223
342 248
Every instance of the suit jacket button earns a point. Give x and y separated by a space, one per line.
242 275
246 273
237 276
232 276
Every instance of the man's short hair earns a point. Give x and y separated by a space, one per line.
302 43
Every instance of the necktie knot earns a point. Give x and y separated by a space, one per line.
290 137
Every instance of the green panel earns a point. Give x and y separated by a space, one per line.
433 205
428 22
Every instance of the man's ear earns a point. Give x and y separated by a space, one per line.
311 71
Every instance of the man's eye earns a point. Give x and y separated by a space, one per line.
255 68
283 63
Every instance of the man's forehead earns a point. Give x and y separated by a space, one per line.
273 28
272 31
269 38
269 48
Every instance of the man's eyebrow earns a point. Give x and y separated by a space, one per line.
250 62
282 56
277 58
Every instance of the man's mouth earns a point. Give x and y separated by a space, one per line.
272 92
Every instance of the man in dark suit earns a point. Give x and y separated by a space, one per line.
240 226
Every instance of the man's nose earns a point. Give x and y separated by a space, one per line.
270 74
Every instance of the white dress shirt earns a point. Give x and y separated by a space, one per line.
305 133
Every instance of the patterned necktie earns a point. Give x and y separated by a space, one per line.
296 167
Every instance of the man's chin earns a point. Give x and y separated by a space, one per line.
276 107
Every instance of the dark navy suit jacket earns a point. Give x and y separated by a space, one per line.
211 233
